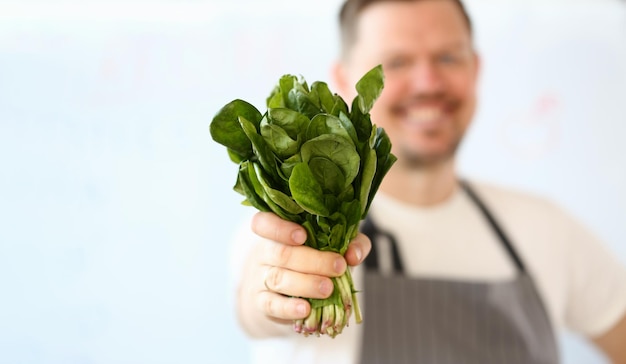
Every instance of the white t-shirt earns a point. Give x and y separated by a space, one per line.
582 285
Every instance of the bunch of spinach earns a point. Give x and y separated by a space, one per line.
312 160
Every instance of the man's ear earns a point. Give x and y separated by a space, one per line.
341 81
477 64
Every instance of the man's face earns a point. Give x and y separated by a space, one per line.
430 71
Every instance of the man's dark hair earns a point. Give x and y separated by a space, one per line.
351 9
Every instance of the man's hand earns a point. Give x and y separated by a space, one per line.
279 267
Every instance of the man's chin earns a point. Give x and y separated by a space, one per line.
416 160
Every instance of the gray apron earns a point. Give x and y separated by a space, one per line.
427 321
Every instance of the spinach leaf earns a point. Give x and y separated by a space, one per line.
336 149
326 98
277 139
225 128
291 121
369 87
306 191
328 124
328 175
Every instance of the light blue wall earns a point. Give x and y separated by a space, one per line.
116 208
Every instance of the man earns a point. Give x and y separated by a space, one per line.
458 272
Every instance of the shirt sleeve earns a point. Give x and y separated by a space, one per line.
242 241
242 244
596 297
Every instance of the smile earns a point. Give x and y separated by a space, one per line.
425 116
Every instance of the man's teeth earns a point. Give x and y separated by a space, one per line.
425 115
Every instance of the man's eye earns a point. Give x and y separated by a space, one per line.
447 59
396 64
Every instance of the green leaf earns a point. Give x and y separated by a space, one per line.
310 229
285 85
349 126
337 237
246 186
331 201
237 187
327 101
306 191
323 225
339 107
369 88
236 157
347 194
276 100
328 124
279 198
226 130
332 230
382 144
385 166
337 149
385 160
328 175
256 177
293 122
352 212
277 139
362 122
285 202
373 137
301 102
287 166
261 150
367 177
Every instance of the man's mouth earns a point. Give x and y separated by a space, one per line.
425 117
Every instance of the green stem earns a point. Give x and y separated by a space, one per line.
358 317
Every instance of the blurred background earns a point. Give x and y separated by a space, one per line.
116 208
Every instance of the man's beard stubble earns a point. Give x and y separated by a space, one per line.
413 160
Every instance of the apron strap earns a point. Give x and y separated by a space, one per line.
374 233
506 242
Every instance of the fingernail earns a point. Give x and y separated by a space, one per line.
298 236
358 253
326 287
340 265
301 309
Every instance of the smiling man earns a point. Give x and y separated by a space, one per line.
430 68
454 272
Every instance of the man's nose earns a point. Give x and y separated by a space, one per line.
426 78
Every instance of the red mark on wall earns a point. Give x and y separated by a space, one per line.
535 133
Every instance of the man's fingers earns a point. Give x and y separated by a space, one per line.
358 249
281 307
292 283
303 259
270 226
